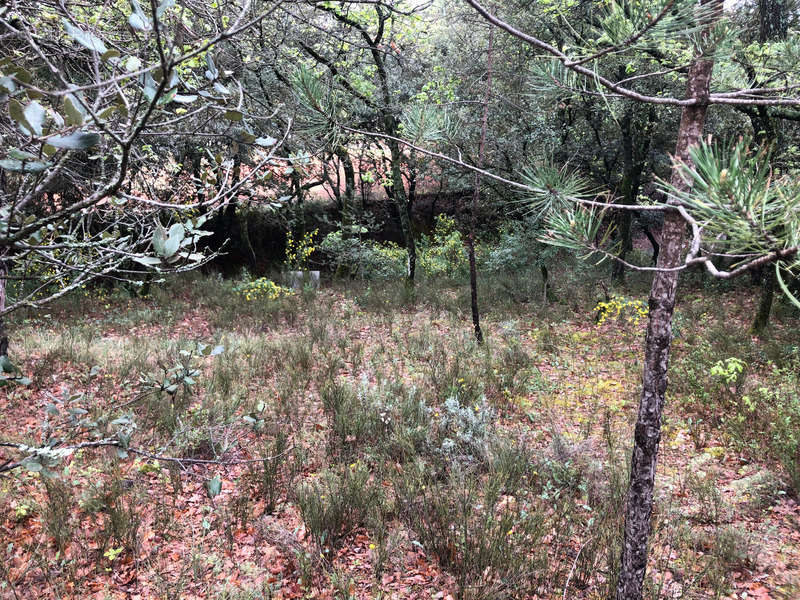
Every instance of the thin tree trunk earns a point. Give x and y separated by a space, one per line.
635 147
624 218
3 283
348 200
773 19
476 195
653 243
773 26
639 500
765 304
401 200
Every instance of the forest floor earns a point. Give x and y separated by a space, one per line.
403 460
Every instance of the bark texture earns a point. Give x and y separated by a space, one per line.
639 500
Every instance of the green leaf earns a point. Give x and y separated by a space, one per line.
108 55
85 39
784 288
21 155
34 116
16 111
162 8
132 63
159 239
233 115
217 350
7 84
184 99
214 487
168 97
74 109
177 231
211 73
266 141
30 118
149 86
32 464
77 140
106 112
24 167
148 261
173 240
138 20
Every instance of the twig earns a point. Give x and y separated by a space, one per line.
572 570
8 465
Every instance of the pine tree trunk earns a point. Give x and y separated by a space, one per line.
647 434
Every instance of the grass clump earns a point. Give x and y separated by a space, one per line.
336 502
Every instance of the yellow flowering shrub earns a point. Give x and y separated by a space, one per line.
262 288
619 307
298 251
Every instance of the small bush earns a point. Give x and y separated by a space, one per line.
57 512
701 482
336 502
443 255
269 474
353 418
768 417
464 432
517 248
262 288
365 259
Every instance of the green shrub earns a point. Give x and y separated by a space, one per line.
503 544
444 254
464 432
336 502
57 512
366 259
768 417
517 248
352 417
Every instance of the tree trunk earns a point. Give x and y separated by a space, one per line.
401 200
348 200
635 146
773 24
765 304
476 195
624 217
647 434
3 283
653 243
773 19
